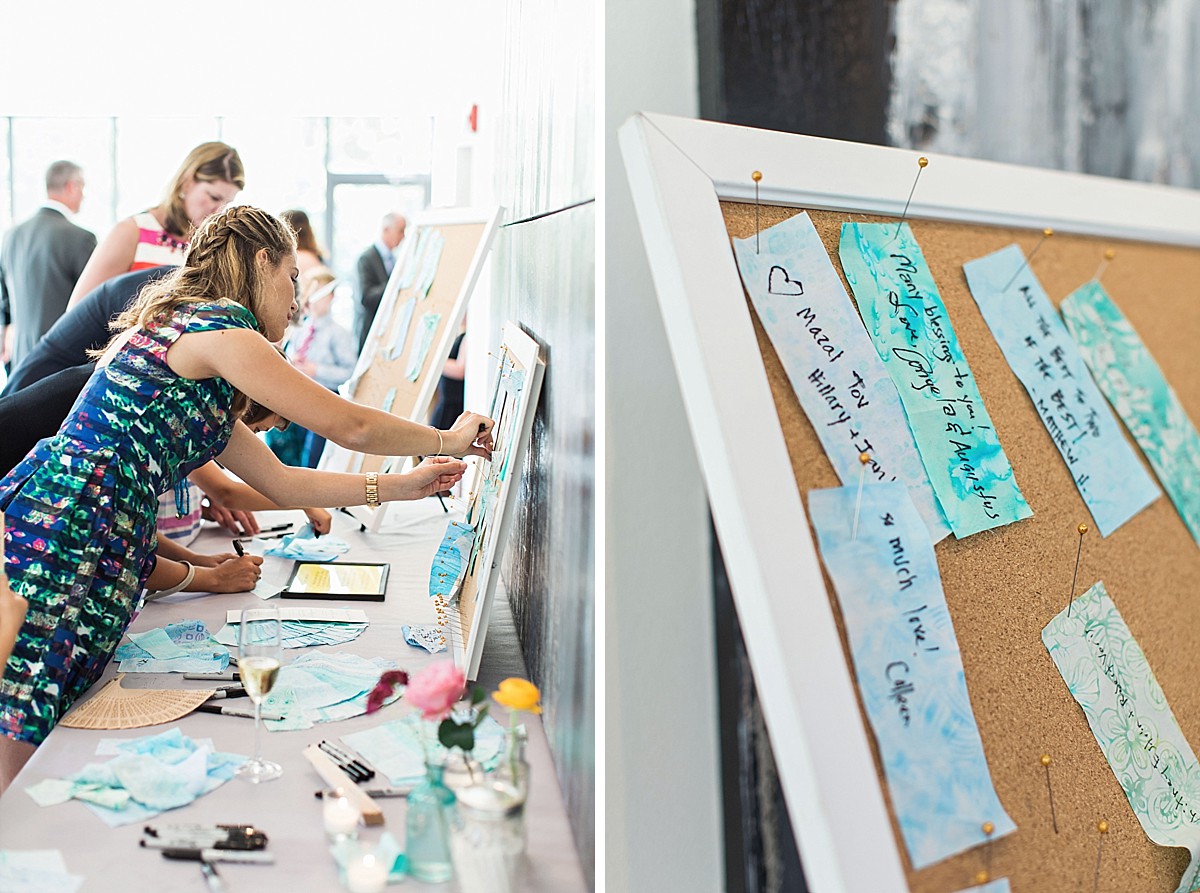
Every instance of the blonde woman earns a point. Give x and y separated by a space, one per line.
195 350
209 179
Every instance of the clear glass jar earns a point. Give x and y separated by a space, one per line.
428 824
486 838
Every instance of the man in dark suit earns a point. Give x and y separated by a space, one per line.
40 261
82 328
374 267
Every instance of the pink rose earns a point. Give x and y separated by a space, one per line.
436 689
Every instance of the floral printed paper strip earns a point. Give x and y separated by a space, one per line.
1039 349
1135 386
829 360
908 668
907 320
1109 677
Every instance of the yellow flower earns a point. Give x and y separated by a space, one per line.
518 694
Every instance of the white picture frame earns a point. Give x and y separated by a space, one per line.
338 458
679 171
513 410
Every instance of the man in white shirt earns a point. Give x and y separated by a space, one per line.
40 261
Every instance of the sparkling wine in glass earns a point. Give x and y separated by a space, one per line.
260 654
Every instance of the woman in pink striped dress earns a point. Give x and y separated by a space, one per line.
208 180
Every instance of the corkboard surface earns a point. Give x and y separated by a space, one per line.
1002 586
462 242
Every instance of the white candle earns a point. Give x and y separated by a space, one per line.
366 873
341 818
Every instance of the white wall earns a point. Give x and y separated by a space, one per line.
661 767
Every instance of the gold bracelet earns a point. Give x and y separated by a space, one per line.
441 443
372 488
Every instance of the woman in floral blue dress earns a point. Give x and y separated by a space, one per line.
80 509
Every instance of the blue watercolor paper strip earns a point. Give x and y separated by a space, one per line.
450 561
907 320
423 340
909 669
406 315
830 361
1135 386
1040 351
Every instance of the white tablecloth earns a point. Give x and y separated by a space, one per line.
286 809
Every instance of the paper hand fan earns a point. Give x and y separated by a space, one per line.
114 707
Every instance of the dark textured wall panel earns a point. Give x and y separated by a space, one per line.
543 276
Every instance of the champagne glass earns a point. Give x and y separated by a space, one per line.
260 653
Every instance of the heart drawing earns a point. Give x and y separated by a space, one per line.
783 284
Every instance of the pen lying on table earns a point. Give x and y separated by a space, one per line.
394 791
228 691
347 763
246 857
235 711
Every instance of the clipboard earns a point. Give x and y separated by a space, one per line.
353 580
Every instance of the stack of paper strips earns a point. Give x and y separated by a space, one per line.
148 776
323 687
396 748
303 627
36 871
183 647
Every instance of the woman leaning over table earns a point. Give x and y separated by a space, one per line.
195 348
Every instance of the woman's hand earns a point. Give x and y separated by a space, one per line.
320 519
231 518
435 474
234 574
470 436
199 560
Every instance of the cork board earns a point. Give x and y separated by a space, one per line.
492 495
466 237
1002 586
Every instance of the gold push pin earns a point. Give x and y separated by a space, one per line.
757 178
1109 254
1082 528
1050 791
922 163
1046 234
864 460
1102 827
988 830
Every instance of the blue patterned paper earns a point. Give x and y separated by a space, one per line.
1133 383
1108 675
831 363
451 560
1000 885
908 668
1040 351
908 322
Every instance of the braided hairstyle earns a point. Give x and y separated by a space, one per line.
208 162
221 266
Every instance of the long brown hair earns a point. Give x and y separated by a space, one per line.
206 163
219 266
306 239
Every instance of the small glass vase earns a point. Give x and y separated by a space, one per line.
512 769
429 807
486 838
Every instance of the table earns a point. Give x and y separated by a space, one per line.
286 809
